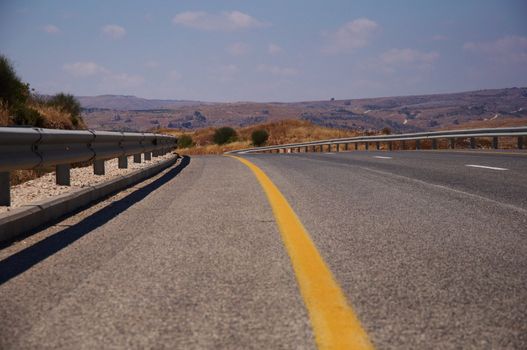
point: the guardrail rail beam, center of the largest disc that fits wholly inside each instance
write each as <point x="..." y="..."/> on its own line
<point x="451" y="136"/>
<point x="30" y="148"/>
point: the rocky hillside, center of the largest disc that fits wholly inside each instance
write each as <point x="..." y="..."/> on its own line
<point x="498" y="107"/>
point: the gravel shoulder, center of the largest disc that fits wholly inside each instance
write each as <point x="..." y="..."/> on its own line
<point x="45" y="187"/>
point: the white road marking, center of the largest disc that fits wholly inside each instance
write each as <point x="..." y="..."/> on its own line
<point x="382" y="157"/>
<point x="485" y="167"/>
<point x="330" y="152"/>
<point x="505" y="205"/>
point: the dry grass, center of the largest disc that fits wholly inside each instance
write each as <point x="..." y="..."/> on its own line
<point x="494" y="123"/>
<point x="280" y="132"/>
<point x="21" y="176"/>
<point x="55" y="118"/>
<point x="4" y="115"/>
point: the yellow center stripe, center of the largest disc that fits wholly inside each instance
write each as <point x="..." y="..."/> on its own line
<point x="332" y="318"/>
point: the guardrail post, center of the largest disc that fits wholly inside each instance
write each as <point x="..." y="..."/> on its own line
<point x="402" y="145"/>
<point x="321" y="148"/>
<point x="390" y="145"/>
<point x="495" y="142"/>
<point x="346" y="146"/>
<point x="356" y="146"/>
<point x="137" y="158"/>
<point x="520" y="142"/>
<point x="434" y="143"/>
<point x="417" y="144"/>
<point x="98" y="167"/>
<point x="473" y="142"/>
<point x="5" y="190"/>
<point x="306" y="149"/>
<point x="148" y="156"/>
<point x="378" y="145"/>
<point x="62" y="175"/>
<point x="123" y="162"/>
<point x="338" y="147"/>
<point x="452" y="143"/>
<point x="367" y="146"/>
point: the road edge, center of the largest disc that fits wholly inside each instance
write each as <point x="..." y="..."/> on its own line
<point x="21" y="221"/>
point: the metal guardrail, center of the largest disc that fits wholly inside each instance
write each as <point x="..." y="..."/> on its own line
<point x="29" y="148"/>
<point x="451" y="135"/>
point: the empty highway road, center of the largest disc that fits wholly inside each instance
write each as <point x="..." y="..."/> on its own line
<point x="428" y="250"/>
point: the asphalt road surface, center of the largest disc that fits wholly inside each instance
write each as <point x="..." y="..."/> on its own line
<point x="429" y="248"/>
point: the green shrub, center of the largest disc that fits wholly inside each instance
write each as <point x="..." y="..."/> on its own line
<point x="386" y="131"/>
<point x="13" y="91"/>
<point x="259" y="137"/>
<point x="224" y="135"/>
<point x="28" y="116"/>
<point x="67" y="103"/>
<point x="185" y="141"/>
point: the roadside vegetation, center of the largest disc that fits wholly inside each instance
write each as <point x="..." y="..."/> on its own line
<point x="19" y="105"/>
<point x="225" y="135"/>
<point x="285" y="131"/>
<point x="259" y="137"/>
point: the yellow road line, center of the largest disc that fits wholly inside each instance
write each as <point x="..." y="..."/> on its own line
<point x="332" y="318"/>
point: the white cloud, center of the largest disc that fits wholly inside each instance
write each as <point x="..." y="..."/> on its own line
<point x="226" y="73"/>
<point x="274" y="49"/>
<point x="225" y="21"/>
<point x="51" y="29"/>
<point x="238" y="49"/>
<point x="122" y="81"/>
<point x="151" y="64"/>
<point x="174" y="75"/>
<point x="276" y="70"/>
<point x="351" y="36"/>
<point x="149" y="17"/>
<point x="83" y="69"/>
<point x="110" y="79"/>
<point x="439" y="37"/>
<point x="405" y="61"/>
<point x="408" y="56"/>
<point x="113" y="31"/>
<point x="509" y="49"/>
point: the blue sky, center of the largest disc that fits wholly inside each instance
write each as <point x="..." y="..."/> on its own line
<point x="266" y="50"/>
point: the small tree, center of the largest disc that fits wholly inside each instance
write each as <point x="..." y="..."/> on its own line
<point x="13" y="91"/>
<point x="185" y="141"/>
<point x="386" y="131"/>
<point x="68" y="104"/>
<point x="259" y="137"/>
<point x="24" y="115"/>
<point x="224" y="135"/>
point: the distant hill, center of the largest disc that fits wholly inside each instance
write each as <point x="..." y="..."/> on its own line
<point x="129" y="103"/>
<point x="497" y="107"/>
